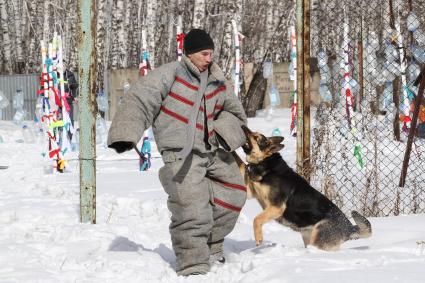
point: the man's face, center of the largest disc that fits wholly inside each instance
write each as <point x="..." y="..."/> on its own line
<point x="202" y="59"/>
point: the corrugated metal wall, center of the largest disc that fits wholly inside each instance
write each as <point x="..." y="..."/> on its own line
<point x="29" y="84"/>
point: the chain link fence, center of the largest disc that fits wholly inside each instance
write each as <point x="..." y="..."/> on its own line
<point x="369" y="54"/>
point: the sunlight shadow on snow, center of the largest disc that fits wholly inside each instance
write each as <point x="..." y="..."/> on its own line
<point x="123" y="244"/>
<point x="237" y="247"/>
<point x="361" y="248"/>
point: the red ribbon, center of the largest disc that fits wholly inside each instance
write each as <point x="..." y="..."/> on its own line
<point x="65" y="101"/>
<point x="179" y="39"/>
<point x="54" y="152"/>
<point x="57" y="97"/>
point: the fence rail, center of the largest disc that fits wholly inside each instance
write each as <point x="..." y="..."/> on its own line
<point x="29" y="84"/>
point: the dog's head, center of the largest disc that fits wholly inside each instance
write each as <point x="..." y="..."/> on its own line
<point x="258" y="147"/>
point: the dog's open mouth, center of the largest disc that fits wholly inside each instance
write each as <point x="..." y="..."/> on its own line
<point x="247" y="147"/>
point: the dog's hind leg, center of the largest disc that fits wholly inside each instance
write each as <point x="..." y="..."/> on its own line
<point x="269" y="213"/>
<point x="306" y="234"/>
<point x="327" y="235"/>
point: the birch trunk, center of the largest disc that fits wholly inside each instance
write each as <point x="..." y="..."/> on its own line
<point x="269" y="26"/>
<point x="172" y="22"/>
<point x="46" y="24"/>
<point x="17" y="10"/>
<point x="101" y="27"/>
<point x="72" y="48"/>
<point x="226" y="58"/>
<point x="34" y="57"/>
<point x="1" y="47"/>
<point x="141" y="10"/>
<point x="125" y="44"/>
<point x="151" y="25"/>
<point x="198" y="14"/>
<point x="116" y="34"/>
<point x="7" y="45"/>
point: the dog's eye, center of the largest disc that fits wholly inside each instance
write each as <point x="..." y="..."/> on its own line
<point x="262" y="142"/>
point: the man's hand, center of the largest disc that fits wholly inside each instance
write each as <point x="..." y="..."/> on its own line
<point x="122" y="146"/>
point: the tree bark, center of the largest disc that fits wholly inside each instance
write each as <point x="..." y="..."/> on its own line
<point x="17" y="12"/>
<point x="198" y="14"/>
<point x="256" y="92"/>
<point x="7" y="45"/>
<point x="150" y="27"/>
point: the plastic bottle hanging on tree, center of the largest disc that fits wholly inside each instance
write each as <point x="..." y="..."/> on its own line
<point x="101" y="131"/>
<point x="276" y="132"/>
<point x="4" y="102"/>
<point x="387" y="96"/>
<point x="18" y="105"/>
<point x="419" y="37"/>
<point x="412" y="22"/>
<point x="102" y="102"/>
<point x="324" y="76"/>
<point x="413" y="72"/>
<point x="267" y="69"/>
<point x="274" y="96"/>
<point x="418" y="53"/>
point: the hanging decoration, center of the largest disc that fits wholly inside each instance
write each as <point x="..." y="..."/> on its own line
<point x="405" y="98"/>
<point x="293" y="77"/>
<point x="145" y="157"/>
<point x="324" y="77"/>
<point x="347" y="85"/>
<point x="54" y="106"/>
<point x="179" y="38"/>
<point x="144" y="65"/>
<point x="238" y="37"/>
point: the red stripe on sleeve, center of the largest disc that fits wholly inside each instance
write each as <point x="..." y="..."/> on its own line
<point x="227" y="205"/>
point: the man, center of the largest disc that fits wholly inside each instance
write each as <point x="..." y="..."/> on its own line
<point x="71" y="88"/>
<point x="191" y="110"/>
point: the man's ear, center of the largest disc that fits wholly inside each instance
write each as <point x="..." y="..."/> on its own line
<point x="275" y="147"/>
<point x="276" y="139"/>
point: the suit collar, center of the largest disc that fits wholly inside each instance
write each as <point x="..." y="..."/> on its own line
<point x="215" y="73"/>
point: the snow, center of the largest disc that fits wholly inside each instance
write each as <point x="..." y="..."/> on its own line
<point x="42" y="239"/>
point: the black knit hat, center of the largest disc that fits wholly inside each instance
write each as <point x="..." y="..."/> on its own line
<point x="197" y="40"/>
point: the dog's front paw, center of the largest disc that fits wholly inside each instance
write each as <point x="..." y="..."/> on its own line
<point x="258" y="238"/>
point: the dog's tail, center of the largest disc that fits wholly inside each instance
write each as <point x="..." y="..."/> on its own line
<point x="363" y="229"/>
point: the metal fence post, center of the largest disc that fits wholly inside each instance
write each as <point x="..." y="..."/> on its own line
<point x="87" y="70"/>
<point x="303" y="87"/>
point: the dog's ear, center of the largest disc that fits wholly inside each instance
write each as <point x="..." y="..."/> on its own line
<point x="276" y="147"/>
<point x="276" y="139"/>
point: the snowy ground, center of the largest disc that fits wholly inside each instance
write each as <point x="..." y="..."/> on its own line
<point x="41" y="239"/>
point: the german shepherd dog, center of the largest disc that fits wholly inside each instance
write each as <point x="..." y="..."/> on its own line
<point x="289" y="199"/>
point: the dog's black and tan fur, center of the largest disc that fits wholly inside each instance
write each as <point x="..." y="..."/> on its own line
<point x="289" y="199"/>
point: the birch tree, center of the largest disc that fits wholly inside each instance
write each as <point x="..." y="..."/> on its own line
<point x="17" y="10"/>
<point x="150" y="28"/>
<point x="46" y="25"/>
<point x="7" y="45"/>
<point x="125" y="36"/>
<point x="116" y="33"/>
<point x="198" y="14"/>
<point x="173" y="19"/>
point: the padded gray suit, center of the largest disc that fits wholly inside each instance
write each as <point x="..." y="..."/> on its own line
<point x="205" y="191"/>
